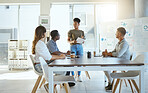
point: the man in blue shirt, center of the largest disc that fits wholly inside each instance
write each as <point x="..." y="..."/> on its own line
<point x="121" y="51"/>
<point x="52" y="46"/>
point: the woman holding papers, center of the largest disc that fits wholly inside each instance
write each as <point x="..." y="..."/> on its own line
<point x="76" y="39"/>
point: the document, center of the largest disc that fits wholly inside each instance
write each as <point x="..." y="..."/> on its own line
<point x="80" y="40"/>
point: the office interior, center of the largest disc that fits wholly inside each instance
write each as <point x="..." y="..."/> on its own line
<point x="99" y="21"/>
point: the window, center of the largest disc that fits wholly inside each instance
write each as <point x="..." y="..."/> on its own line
<point x="91" y="16"/>
<point x="19" y="19"/>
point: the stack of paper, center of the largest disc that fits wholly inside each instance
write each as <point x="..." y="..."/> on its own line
<point x="80" y="40"/>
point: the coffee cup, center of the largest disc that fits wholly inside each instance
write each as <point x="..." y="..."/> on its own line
<point x="72" y="55"/>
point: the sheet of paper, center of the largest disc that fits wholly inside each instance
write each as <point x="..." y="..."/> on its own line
<point x="80" y="40"/>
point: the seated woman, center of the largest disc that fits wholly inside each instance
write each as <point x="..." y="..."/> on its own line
<point x="40" y="49"/>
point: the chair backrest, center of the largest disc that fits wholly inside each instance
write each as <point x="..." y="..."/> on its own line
<point x="133" y="56"/>
<point x="33" y="61"/>
<point x="139" y="59"/>
<point x="44" y="67"/>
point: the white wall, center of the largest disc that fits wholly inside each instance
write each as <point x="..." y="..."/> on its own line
<point x="39" y="1"/>
<point x="126" y="9"/>
<point x="45" y="4"/>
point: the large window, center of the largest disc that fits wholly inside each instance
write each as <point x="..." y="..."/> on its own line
<point x="62" y="20"/>
<point x="86" y="14"/>
<point x="104" y="13"/>
<point x="28" y="21"/>
<point x="91" y="16"/>
<point x="8" y="22"/>
<point x="20" y="20"/>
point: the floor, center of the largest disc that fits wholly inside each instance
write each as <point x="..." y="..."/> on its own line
<point x="20" y="81"/>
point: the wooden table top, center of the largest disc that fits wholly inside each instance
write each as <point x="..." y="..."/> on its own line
<point x="94" y="61"/>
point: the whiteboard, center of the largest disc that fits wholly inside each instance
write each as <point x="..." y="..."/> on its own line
<point x="136" y="36"/>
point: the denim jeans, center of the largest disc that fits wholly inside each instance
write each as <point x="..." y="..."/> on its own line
<point x="78" y="50"/>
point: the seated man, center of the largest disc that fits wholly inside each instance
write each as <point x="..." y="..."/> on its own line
<point x="121" y="51"/>
<point x="53" y="48"/>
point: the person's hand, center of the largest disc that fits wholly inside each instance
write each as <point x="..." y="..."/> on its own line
<point x="62" y="56"/>
<point x="75" y="41"/>
<point x="105" y="53"/>
<point x="68" y="52"/>
<point x="110" y="54"/>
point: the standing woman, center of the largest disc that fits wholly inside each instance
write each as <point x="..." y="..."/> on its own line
<point x="40" y="49"/>
<point x="77" y="48"/>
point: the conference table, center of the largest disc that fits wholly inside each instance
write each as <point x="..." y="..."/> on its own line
<point x="95" y="64"/>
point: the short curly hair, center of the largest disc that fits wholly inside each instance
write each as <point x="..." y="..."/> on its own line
<point x="122" y="30"/>
<point x="77" y="20"/>
<point x="54" y="33"/>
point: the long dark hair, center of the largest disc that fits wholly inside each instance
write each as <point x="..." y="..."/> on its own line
<point x="39" y="33"/>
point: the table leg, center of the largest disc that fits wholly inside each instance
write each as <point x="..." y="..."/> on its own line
<point x="50" y="79"/>
<point x="141" y="81"/>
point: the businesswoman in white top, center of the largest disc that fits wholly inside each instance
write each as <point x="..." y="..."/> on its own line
<point x="39" y="48"/>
